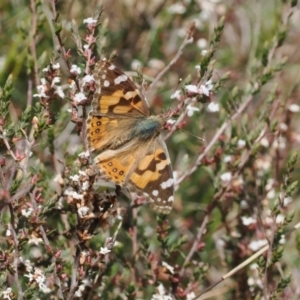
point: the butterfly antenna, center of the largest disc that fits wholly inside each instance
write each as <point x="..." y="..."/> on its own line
<point x="197" y="137"/>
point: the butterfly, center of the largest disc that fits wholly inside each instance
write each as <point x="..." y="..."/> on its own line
<point x="133" y="152"/>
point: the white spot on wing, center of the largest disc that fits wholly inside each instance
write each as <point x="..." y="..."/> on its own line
<point x="120" y="78"/>
<point x="111" y="67"/>
<point x="168" y="183"/>
<point x="155" y="192"/>
<point x="171" y="199"/>
<point x="103" y="76"/>
<point x="106" y="83"/>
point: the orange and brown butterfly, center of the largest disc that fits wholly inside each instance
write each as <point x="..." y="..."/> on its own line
<point x="133" y="152"/>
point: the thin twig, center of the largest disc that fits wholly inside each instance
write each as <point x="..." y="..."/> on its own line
<point x="195" y="244"/>
<point x="74" y="281"/>
<point x="224" y="126"/>
<point x="187" y="40"/>
<point x="32" y="44"/>
<point x="48" y="246"/>
<point x="16" y="254"/>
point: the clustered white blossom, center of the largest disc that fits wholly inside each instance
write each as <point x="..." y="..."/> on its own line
<point x="40" y="279"/>
<point x="104" y="250"/>
<point x="191" y="109"/>
<point x="6" y="293"/>
<point x="258" y="244"/>
<point x="225" y="177"/>
<point x="75" y="70"/>
<point x="44" y="87"/>
<point x="170" y="268"/>
<point x="79" y="97"/>
<point x="89" y="21"/>
<point x="161" y="295"/>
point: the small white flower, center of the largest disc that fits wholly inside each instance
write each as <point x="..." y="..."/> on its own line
<point x="83" y="211"/>
<point x="241" y="144"/>
<point x="170" y="268"/>
<point x="161" y="294"/>
<point x="86" y="47"/>
<point x="135" y="64"/>
<point x="75" y="69"/>
<point x="279" y="219"/>
<point x="89" y="21"/>
<point x="265" y="142"/>
<point x="248" y="220"/>
<point x="191" y="296"/>
<point x="85" y="186"/>
<point x="161" y="289"/>
<point x="59" y="91"/>
<point x="287" y="201"/>
<point x="244" y="204"/>
<point x="72" y="84"/>
<point x="176" y="94"/>
<point x="191" y="88"/>
<point x="294" y="108"/>
<point x="202" y="43"/>
<point x="8" y="232"/>
<point x="213" y="107"/>
<point x="204" y="90"/>
<point x="5" y="293"/>
<point x="191" y="109"/>
<point x="79" y="97"/>
<point x="220" y="243"/>
<point x="254" y="266"/>
<point x="78" y="293"/>
<point x="227" y="159"/>
<point x="198" y="67"/>
<point x="27" y="212"/>
<point x="74" y="178"/>
<point x="282" y="240"/>
<point x="46" y="69"/>
<point x="73" y="194"/>
<point x="85" y="154"/>
<point x="171" y="121"/>
<point x="203" y="52"/>
<point x="177" y="8"/>
<point x="280" y="143"/>
<point x="283" y="126"/>
<point x="209" y="85"/>
<point x="55" y="80"/>
<point x="27" y="264"/>
<point x="271" y="194"/>
<point x="35" y="241"/>
<point x="88" y="79"/>
<point x="104" y="250"/>
<point x="41" y="91"/>
<point x="256" y="245"/>
<point x="56" y="66"/>
<point x="225" y="177"/>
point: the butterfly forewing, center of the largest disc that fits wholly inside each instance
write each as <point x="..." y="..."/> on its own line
<point x="116" y="94"/>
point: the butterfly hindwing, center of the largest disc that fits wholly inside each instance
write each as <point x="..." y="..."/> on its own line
<point x="153" y="177"/>
<point x="104" y="132"/>
<point x="142" y="168"/>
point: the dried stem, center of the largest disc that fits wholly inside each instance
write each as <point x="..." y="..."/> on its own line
<point x="187" y="40"/>
<point x="32" y="44"/>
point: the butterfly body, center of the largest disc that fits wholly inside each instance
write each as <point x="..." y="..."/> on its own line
<point x="134" y="154"/>
<point x="147" y="128"/>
